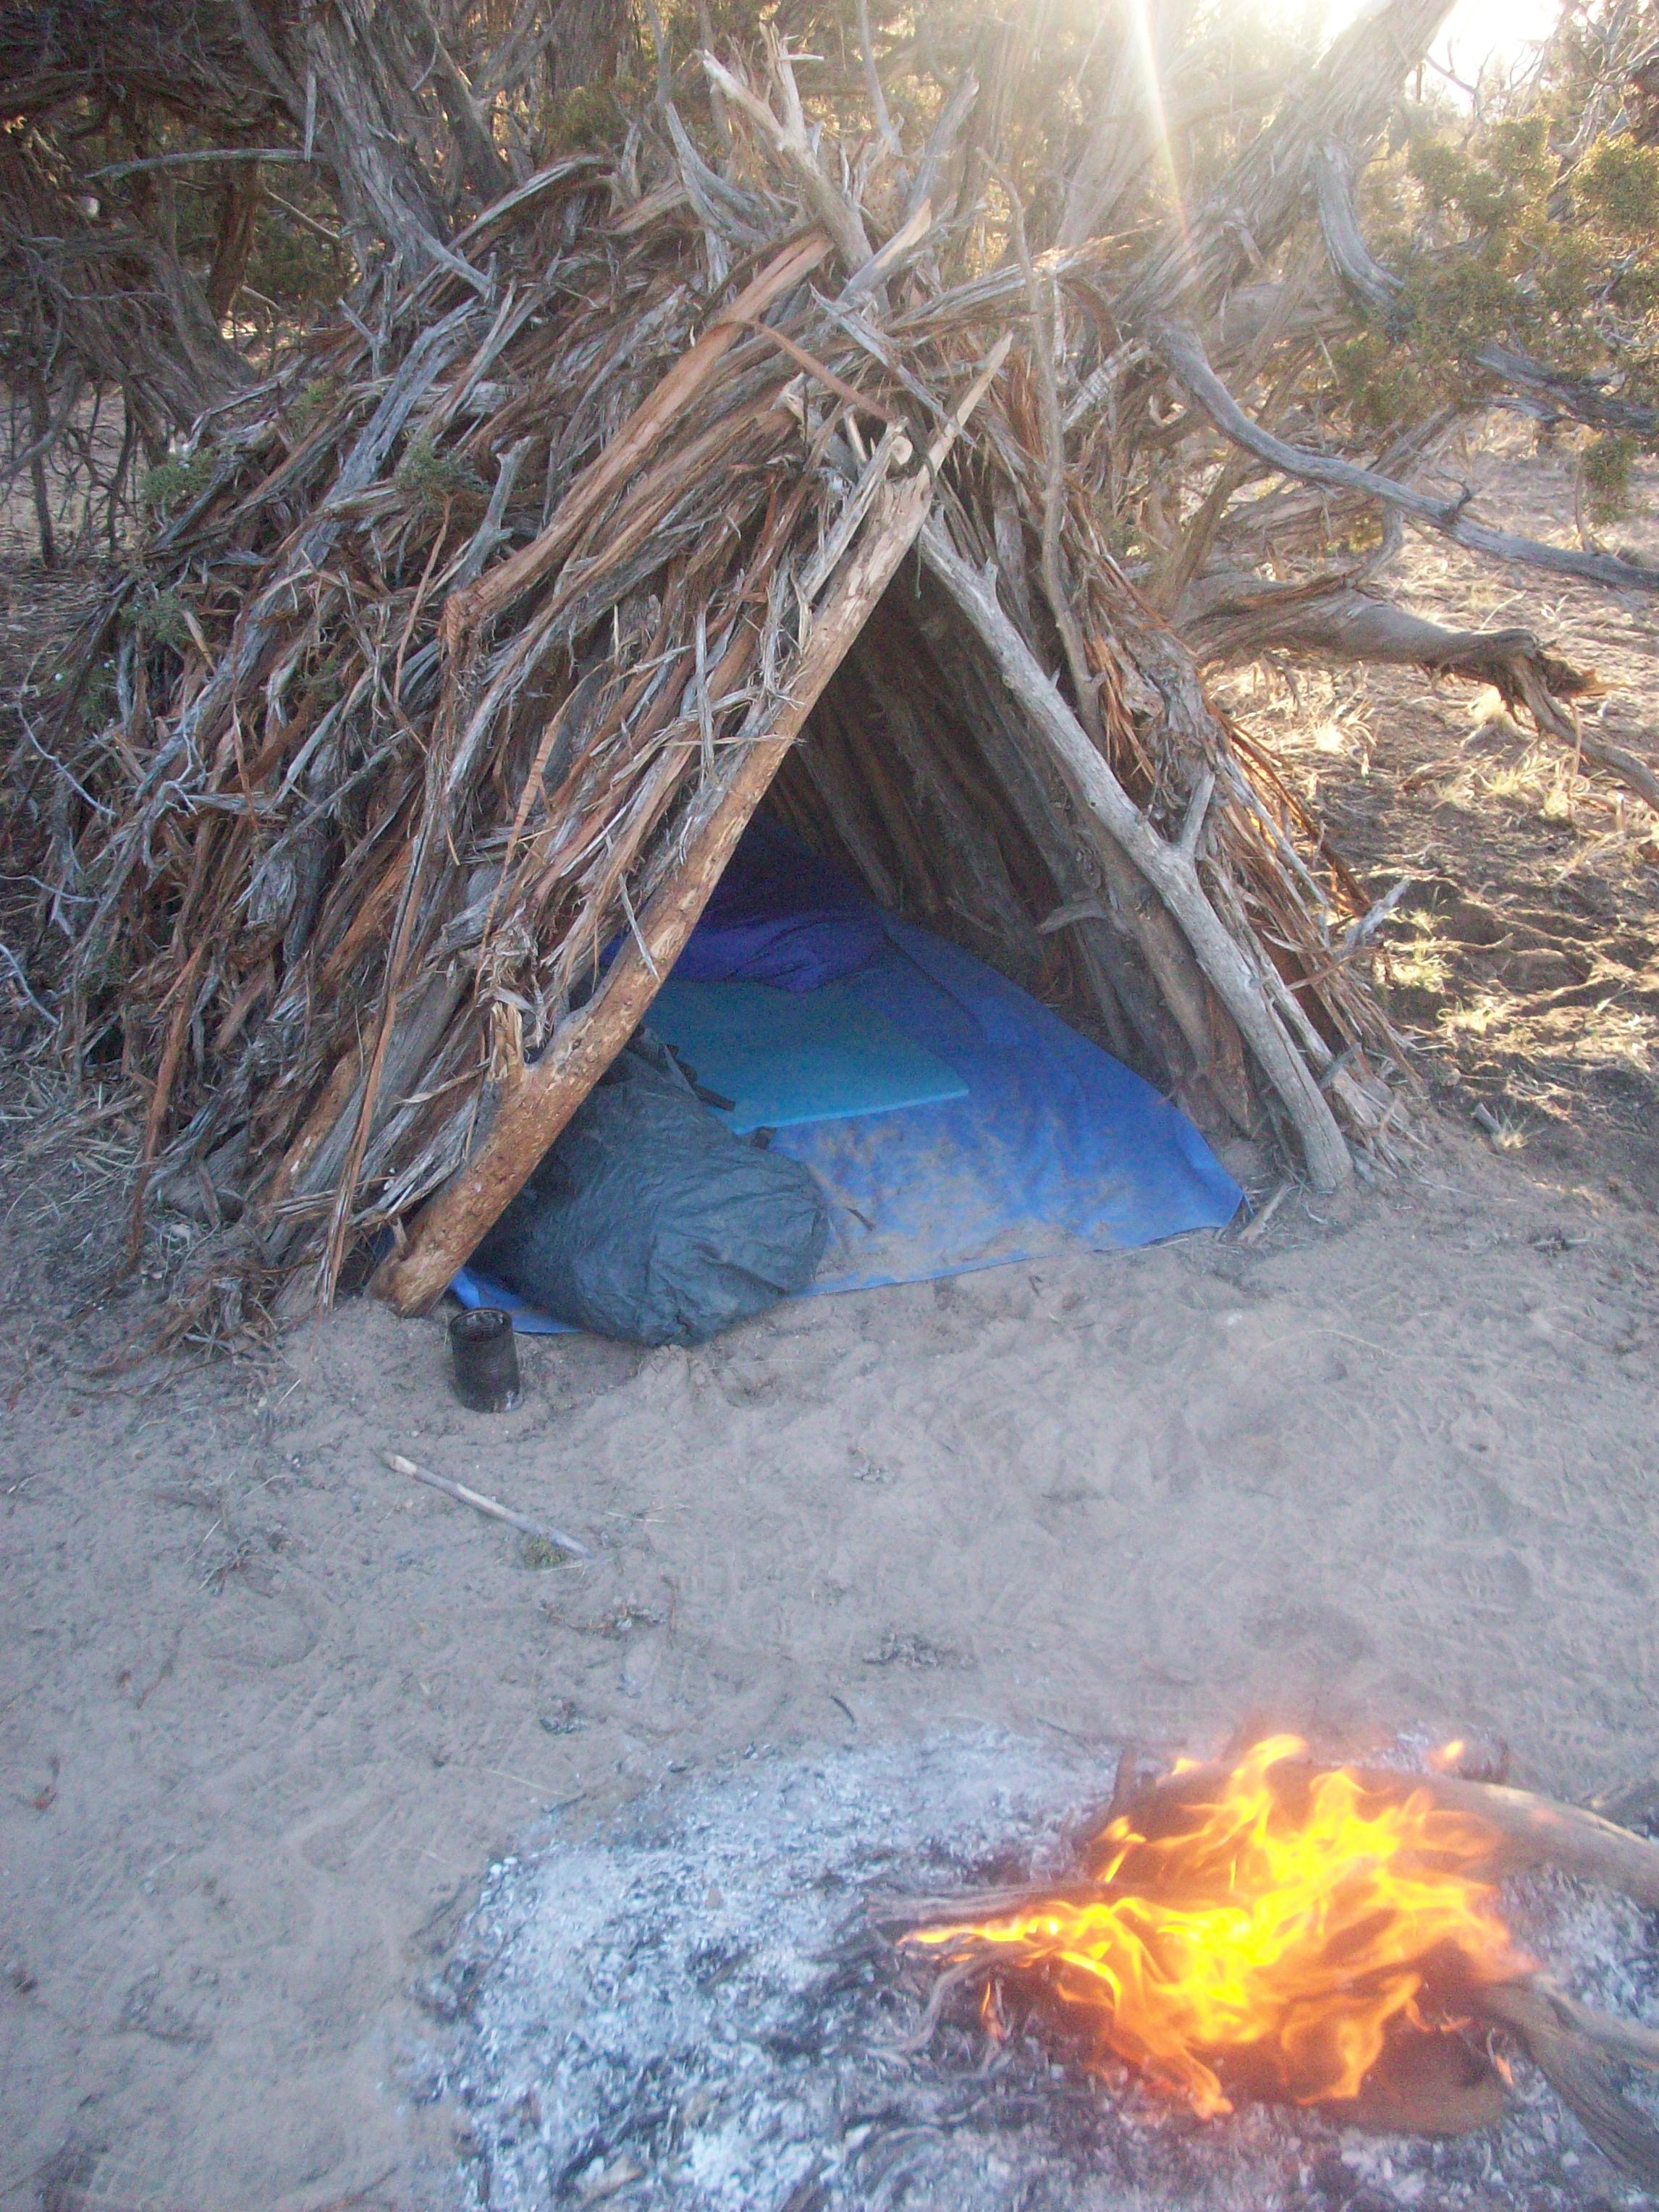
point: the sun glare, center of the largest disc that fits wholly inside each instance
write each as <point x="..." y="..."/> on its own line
<point x="1476" y="31"/>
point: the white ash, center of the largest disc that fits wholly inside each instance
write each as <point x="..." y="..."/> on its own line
<point x="683" y="2011"/>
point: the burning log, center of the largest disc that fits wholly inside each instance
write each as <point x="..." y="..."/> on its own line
<point x="1331" y="1937"/>
<point x="1571" y="2047"/>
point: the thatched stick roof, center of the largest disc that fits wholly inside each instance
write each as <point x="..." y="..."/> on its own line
<point x="491" y="622"/>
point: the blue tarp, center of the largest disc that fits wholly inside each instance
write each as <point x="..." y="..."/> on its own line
<point x="786" y="1057"/>
<point x="1055" y="1146"/>
<point x="781" y="915"/>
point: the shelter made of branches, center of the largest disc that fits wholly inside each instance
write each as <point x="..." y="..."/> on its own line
<point x="418" y="741"/>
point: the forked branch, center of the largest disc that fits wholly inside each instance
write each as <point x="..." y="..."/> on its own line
<point x="1180" y="348"/>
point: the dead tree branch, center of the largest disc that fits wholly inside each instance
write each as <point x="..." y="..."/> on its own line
<point x="1181" y="351"/>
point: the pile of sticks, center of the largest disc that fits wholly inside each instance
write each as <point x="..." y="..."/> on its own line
<point x="397" y="773"/>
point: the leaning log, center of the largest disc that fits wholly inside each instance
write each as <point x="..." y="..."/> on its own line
<point x="1533" y="1831"/>
<point x="1170" y="868"/>
<point x="1571" y="2049"/>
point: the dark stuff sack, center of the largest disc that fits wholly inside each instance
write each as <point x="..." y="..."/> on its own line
<point x="648" y="1220"/>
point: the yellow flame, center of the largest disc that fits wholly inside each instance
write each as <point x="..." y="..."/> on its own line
<point x="1287" y="1922"/>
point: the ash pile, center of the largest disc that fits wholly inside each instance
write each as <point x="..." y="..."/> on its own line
<point x="689" y="2010"/>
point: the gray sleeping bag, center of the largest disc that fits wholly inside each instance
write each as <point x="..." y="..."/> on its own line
<point x="648" y="1220"/>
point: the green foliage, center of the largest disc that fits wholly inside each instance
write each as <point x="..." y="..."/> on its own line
<point x="98" y="694"/>
<point x="152" y="616"/>
<point x="309" y="406"/>
<point x="1604" y="469"/>
<point x="290" y="264"/>
<point x="1619" y="186"/>
<point x="1509" y="231"/>
<point x="159" y="619"/>
<point x="172" y="485"/>
<point x="586" y="119"/>
<point x="1381" y="380"/>
<point x="1518" y="150"/>
<point x="428" y="478"/>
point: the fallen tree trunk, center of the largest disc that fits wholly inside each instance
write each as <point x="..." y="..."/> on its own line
<point x="1233" y="618"/>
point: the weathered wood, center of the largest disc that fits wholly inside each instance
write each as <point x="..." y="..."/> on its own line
<point x="1527" y="1830"/>
<point x="689" y="375"/>
<point x="378" y="642"/>
<point x="539" y="1103"/>
<point x="1574" y="2063"/>
<point x="788" y="141"/>
<point x="1172" y="873"/>
<point x="1112" y="962"/>
<point x="975" y="858"/>
<point x="492" y="1508"/>
<point x="1537" y="1832"/>
<point x="1181" y="351"/>
<point x="822" y="761"/>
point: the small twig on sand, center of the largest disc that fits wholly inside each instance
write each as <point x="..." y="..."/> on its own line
<point x="480" y="1503"/>
<point x="1257" y="1223"/>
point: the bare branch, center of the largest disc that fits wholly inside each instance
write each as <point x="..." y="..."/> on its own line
<point x="1183" y="354"/>
<point x="114" y="169"/>
<point x="788" y="143"/>
<point x="873" y="83"/>
<point x="941" y="142"/>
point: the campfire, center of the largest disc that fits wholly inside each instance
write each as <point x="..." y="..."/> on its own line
<point x="704" y="2002"/>
<point x="1279" y="1931"/>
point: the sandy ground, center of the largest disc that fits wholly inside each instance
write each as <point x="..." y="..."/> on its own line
<point x="268" y="1712"/>
<point x="1524" y="960"/>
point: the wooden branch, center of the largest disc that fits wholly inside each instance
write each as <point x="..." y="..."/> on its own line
<point x="1627" y="2042"/>
<point x="1183" y="354"/>
<point x="1636" y="773"/>
<point x="542" y="1101"/>
<point x="1172" y="874"/>
<point x="491" y="1508"/>
<point x="1165" y="949"/>
<point x="1376" y="288"/>
<point x="1341" y="623"/>
<point x="1350" y="93"/>
<point x="1537" y="1832"/>
<point x="902" y="247"/>
<point x="1528" y="1830"/>
<point x="873" y="85"/>
<point x="1572" y="2046"/>
<point x="788" y="143"/>
<point x="216" y="153"/>
<point x="623" y="453"/>
<point x="1124" y="133"/>
<point x="1574" y="2063"/>
<point x="486" y="168"/>
<point x="941" y="142"/>
<point x="1380" y="291"/>
<point x="1229" y="618"/>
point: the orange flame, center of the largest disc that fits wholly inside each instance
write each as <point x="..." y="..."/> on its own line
<point x="1278" y="1929"/>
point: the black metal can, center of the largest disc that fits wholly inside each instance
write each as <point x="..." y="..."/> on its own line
<point x="485" y="1359"/>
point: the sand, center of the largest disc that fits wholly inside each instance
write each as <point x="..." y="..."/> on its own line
<point x="270" y="1712"/>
